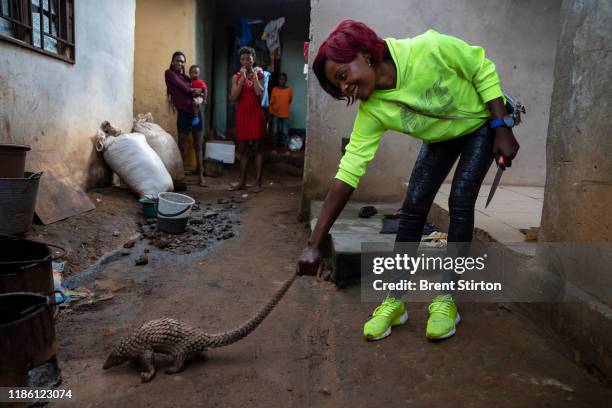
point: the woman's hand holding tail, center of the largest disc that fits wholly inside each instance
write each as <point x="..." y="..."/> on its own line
<point x="310" y="262"/>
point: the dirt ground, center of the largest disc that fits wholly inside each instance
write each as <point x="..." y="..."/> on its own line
<point x="89" y="236"/>
<point x="309" y="351"/>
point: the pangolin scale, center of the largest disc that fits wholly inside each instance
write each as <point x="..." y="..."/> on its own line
<point x="172" y="337"/>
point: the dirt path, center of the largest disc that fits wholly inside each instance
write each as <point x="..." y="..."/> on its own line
<point x="309" y="352"/>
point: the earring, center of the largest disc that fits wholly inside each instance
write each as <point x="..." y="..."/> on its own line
<point x="369" y="63"/>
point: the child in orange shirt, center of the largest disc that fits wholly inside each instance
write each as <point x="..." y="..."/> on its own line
<point x="280" y="103"/>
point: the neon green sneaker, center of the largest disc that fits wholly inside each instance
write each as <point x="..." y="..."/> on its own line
<point x="443" y="318"/>
<point x="389" y="313"/>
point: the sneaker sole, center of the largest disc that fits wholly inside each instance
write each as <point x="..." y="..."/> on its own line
<point x="403" y="319"/>
<point x="450" y="333"/>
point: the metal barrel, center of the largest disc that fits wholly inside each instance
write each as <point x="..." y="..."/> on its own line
<point x="27" y="336"/>
<point x="17" y="203"/>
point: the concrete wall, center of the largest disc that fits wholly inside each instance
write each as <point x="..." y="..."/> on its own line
<point x="56" y="106"/>
<point x="295" y="32"/>
<point x="220" y="91"/>
<point x="578" y="188"/>
<point x="204" y="48"/>
<point x="520" y="37"/>
<point x="161" y="29"/>
<point x="293" y="66"/>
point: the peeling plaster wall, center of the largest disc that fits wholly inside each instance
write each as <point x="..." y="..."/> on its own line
<point x="578" y="188"/>
<point x="579" y="184"/>
<point x="519" y="36"/>
<point x="56" y="106"/>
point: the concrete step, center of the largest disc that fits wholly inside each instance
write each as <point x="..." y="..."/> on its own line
<point x="348" y="234"/>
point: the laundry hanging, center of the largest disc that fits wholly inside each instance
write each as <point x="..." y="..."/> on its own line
<point x="245" y="39"/>
<point x="271" y="35"/>
<point x="246" y="36"/>
<point x="265" y="99"/>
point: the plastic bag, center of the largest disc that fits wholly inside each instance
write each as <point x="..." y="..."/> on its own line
<point x="163" y="144"/>
<point x="130" y="156"/>
<point x="295" y="143"/>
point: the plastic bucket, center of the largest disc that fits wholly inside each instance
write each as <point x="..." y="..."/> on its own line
<point x="149" y="206"/>
<point x="17" y="203"/>
<point x="173" y="211"/>
<point x="12" y="160"/>
<point x="174" y="205"/>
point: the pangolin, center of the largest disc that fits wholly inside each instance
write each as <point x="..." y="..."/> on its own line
<point x="172" y="337"/>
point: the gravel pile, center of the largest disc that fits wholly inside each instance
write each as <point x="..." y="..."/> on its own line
<point x="207" y="224"/>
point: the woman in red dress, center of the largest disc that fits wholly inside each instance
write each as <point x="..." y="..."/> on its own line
<point x="246" y="91"/>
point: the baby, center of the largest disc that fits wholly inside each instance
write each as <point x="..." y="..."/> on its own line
<point x="197" y="83"/>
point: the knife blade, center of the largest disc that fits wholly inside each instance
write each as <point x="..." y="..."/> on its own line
<point x="500" y="170"/>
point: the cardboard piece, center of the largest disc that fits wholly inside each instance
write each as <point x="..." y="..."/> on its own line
<point x="222" y="150"/>
<point x="59" y="196"/>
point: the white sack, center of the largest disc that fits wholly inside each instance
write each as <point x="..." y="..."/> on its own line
<point x="135" y="162"/>
<point x="163" y="144"/>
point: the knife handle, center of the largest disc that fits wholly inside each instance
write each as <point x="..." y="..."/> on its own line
<point x="500" y="162"/>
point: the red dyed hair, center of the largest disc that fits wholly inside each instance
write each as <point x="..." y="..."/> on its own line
<point x="342" y="45"/>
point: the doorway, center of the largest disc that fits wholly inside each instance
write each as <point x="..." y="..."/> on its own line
<point x="242" y="22"/>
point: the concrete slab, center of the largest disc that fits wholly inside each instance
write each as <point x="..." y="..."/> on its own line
<point x="533" y="192"/>
<point x="512" y="208"/>
<point x="349" y="232"/>
<point x="349" y="218"/>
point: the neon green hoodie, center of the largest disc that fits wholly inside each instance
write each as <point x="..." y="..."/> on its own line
<point x="436" y="73"/>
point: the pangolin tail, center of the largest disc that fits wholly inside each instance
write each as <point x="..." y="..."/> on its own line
<point x="232" y="336"/>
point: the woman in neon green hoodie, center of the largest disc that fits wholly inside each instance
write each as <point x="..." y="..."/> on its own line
<point x="441" y="76"/>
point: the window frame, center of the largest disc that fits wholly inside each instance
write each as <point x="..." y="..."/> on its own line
<point x="65" y="27"/>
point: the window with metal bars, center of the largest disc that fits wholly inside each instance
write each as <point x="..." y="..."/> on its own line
<point x="46" y="26"/>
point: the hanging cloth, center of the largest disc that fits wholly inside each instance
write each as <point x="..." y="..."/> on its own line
<point x="271" y="35"/>
<point x="265" y="99"/>
<point x="246" y="37"/>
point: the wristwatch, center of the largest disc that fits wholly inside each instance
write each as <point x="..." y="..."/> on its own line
<point x="506" y="121"/>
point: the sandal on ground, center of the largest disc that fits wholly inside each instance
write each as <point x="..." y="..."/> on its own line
<point x="367" y="211"/>
<point x="236" y="187"/>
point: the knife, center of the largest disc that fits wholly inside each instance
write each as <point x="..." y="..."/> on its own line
<point x="500" y="170"/>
